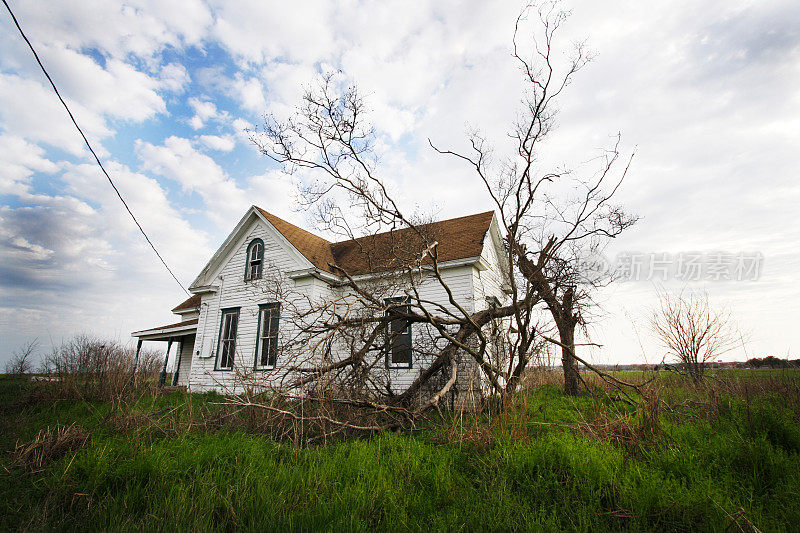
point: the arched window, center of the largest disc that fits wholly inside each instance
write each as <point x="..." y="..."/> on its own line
<point x="255" y="260"/>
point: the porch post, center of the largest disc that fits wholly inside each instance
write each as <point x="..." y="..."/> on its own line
<point x="136" y="360"/>
<point x="163" y="377"/>
<point x="178" y="364"/>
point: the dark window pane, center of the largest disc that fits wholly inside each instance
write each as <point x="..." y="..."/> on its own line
<point x="264" y="360"/>
<point x="234" y="324"/>
<point x="273" y="351"/>
<point x="401" y="349"/>
<point x="400" y="338"/>
<point x="268" y="336"/>
<point x="225" y="359"/>
<point x="254" y="269"/>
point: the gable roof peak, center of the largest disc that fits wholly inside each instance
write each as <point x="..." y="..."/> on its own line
<point x="313" y="247"/>
<point x="459" y="238"/>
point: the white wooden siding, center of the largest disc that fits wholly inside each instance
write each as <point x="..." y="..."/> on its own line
<point x="489" y="283"/>
<point x="235" y="292"/>
<point x="187" y="349"/>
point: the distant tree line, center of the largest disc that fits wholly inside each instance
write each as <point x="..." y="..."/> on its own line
<point x="771" y="361"/>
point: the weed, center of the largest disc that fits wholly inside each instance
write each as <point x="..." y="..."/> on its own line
<point x="49" y="445"/>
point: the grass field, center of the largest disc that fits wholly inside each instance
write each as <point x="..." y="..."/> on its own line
<point x="722" y="456"/>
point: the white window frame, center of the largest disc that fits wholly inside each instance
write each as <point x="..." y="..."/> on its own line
<point x="227" y="341"/>
<point x="268" y="330"/>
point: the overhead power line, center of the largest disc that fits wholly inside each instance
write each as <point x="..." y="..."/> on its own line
<point x="89" y="146"/>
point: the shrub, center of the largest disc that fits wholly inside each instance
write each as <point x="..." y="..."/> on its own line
<point x="20" y="363"/>
<point x="90" y="368"/>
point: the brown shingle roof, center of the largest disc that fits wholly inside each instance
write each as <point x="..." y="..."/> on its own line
<point x="458" y="238"/>
<point x="315" y="249"/>
<point x="191" y="303"/>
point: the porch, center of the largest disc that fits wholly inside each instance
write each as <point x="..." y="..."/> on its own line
<point x="182" y="333"/>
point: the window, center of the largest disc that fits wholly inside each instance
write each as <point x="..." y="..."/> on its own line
<point x="255" y="260"/>
<point x="267" y="343"/>
<point x="398" y="335"/>
<point x="227" y="339"/>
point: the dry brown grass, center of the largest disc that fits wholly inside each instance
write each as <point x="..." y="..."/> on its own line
<point x="628" y="428"/>
<point x="538" y="377"/>
<point x="50" y="444"/>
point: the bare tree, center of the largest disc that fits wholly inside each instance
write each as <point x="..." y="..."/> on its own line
<point x="692" y="331"/>
<point x="330" y="135"/>
<point x="545" y="238"/>
<point x="20" y="362"/>
<point x="553" y="220"/>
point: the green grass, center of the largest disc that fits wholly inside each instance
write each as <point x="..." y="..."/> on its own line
<point x="695" y="473"/>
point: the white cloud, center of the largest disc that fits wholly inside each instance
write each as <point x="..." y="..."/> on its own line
<point x="50" y="123"/>
<point x="275" y="191"/>
<point x="67" y="271"/>
<point x="178" y="242"/>
<point x="117" y="90"/>
<point x="250" y="93"/>
<point x="138" y="27"/>
<point x="205" y="111"/>
<point x="242" y="129"/>
<point x="203" y="108"/>
<point x="18" y="161"/>
<point x="174" y="77"/>
<point x="196" y="172"/>
<point x="257" y="31"/>
<point x="196" y="122"/>
<point x="82" y="268"/>
<point x="241" y="125"/>
<point x="224" y="198"/>
<point x="222" y="143"/>
<point x="94" y="93"/>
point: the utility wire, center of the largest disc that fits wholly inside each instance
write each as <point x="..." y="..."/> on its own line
<point x="89" y="146"/>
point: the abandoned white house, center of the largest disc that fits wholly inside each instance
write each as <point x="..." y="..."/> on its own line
<point x="237" y="322"/>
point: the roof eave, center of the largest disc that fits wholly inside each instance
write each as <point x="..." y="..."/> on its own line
<point x="203" y="289"/>
<point x="146" y="333"/>
<point x="443" y="265"/>
<point x="314" y="272"/>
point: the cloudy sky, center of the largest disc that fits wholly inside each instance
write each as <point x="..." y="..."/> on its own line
<point x="707" y="93"/>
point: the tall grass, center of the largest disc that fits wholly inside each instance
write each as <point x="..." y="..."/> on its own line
<point x="686" y="458"/>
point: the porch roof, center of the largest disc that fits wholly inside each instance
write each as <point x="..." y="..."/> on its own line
<point x="179" y="329"/>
